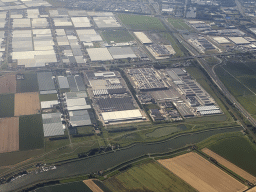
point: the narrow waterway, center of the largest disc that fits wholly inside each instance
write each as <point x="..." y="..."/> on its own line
<point x="108" y="160"/>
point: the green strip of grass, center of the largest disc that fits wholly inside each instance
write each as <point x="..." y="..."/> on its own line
<point x="7" y="105"/>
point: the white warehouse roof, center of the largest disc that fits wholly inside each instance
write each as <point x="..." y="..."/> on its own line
<point x="122" y="115"/>
<point x="48" y="104"/>
<point x="221" y="40"/>
<point x="239" y="40"/>
<point x="99" y="54"/>
<point x="142" y="37"/>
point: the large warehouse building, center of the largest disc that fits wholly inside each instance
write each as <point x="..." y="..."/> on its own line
<point x="143" y="38"/>
<point x="122" y="115"/>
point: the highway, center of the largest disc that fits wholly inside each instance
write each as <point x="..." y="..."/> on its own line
<point x="214" y="77"/>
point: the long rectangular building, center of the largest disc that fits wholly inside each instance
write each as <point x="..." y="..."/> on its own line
<point x="143" y="38"/>
<point x="122" y="115"/>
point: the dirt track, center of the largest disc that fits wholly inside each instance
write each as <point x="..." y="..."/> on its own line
<point x="230" y="166"/>
<point x="26" y="104"/>
<point x="92" y="185"/>
<point x="201" y="174"/>
<point x="8" y="84"/>
<point x="9" y="134"/>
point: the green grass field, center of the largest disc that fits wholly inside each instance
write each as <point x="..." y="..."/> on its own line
<point x="29" y="84"/>
<point x="85" y="130"/>
<point x="241" y="82"/>
<point x="67" y="187"/>
<point x="238" y="150"/>
<point x="7" y="105"/>
<point x="178" y="24"/>
<point x="175" y="44"/>
<point x="147" y="177"/>
<point x="140" y="22"/>
<point x="48" y="97"/>
<point x="31" y="132"/>
<point x="118" y="36"/>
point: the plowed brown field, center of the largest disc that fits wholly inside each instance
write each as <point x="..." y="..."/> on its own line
<point x="9" y="134"/>
<point x="8" y="84"/>
<point x="92" y="185"/>
<point x="26" y="104"/>
<point x="230" y="165"/>
<point x="201" y="174"/>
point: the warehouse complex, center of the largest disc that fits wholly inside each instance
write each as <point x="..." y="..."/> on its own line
<point x="112" y="99"/>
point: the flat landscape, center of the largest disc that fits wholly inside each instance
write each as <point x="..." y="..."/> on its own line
<point x="178" y="24"/>
<point x="147" y="177"/>
<point x="8" y="84"/>
<point x="201" y="174"/>
<point x="141" y="22"/>
<point x="92" y="185"/>
<point x="31" y="132"/>
<point x="26" y="104"/>
<point x="238" y="150"/>
<point x="118" y="36"/>
<point x="240" y="80"/>
<point x="230" y="165"/>
<point x="28" y="84"/>
<point x="68" y="187"/>
<point x="9" y="134"/>
<point x="7" y="105"/>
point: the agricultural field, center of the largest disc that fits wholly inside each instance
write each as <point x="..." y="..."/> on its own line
<point x="178" y="24"/>
<point x="8" y="84"/>
<point x="118" y="36"/>
<point x="201" y="174"/>
<point x="26" y="104"/>
<point x="240" y="79"/>
<point x="140" y="22"/>
<point x="9" y="134"/>
<point x="92" y="185"/>
<point x="230" y="166"/>
<point x="7" y="105"/>
<point x="147" y="177"/>
<point x="68" y="187"/>
<point x="28" y="84"/>
<point x="31" y="132"/>
<point x="238" y="150"/>
<point x="48" y="97"/>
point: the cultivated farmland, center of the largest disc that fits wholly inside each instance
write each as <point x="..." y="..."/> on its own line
<point x="9" y="134"/>
<point x="147" y="177"/>
<point x="238" y="150"/>
<point x="230" y="166"/>
<point x="92" y="185"/>
<point x="28" y="84"/>
<point x="7" y="105"/>
<point x="26" y="104"/>
<point x="201" y="174"/>
<point x="7" y="84"/>
<point x="178" y="24"/>
<point x="31" y="132"/>
<point x="140" y="22"/>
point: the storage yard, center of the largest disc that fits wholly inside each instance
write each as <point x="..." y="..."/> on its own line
<point x="173" y="85"/>
<point x="201" y="174"/>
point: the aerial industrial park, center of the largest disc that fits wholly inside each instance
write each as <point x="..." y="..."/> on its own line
<point x="127" y="95"/>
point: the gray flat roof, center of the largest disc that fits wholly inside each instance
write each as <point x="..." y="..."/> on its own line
<point x="45" y="81"/>
<point x="63" y="82"/>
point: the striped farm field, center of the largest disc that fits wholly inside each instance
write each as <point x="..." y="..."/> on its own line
<point x="201" y="174"/>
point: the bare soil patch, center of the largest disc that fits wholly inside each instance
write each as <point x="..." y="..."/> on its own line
<point x="230" y="165"/>
<point x="8" y="84"/>
<point x="9" y="134"/>
<point x="26" y="104"/>
<point x="201" y="174"/>
<point x="92" y="185"/>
